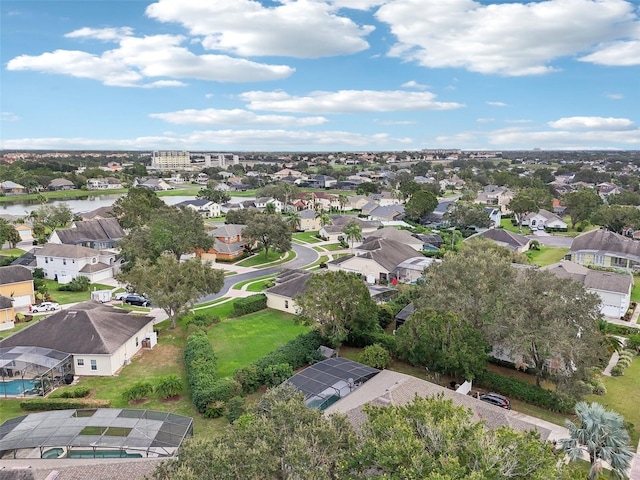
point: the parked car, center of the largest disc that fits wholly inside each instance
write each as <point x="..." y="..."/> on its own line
<point x="44" y="307"/>
<point x="138" y="300"/>
<point x="496" y="399"/>
<point x="122" y="295"/>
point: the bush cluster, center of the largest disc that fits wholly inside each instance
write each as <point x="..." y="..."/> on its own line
<point x="76" y="392"/>
<point x="375" y="356"/>
<point x="626" y="357"/>
<point x="220" y="393"/>
<point x="250" y="304"/>
<point x="526" y="392"/>
<point x="78" y="284"/>
<point x="361" y="339"/>
<point x="137" y="391"/>
<point x="203" y="320"/>
<point x="201" y="365"/>
<point x="43" y="404"/>
<point x="301" y="351"/>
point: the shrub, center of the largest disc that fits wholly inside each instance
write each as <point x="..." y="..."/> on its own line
<point x="633" y="343"/>
<point x="250" y="304"/>
<point x="385" y="316"/>
<point x="375" y="356"/>
<point x="137" y="391"/>
<point x="301" y="351"/>
<point x="77" y="392"/>
<point x="362" y="339"/>
<point x="169" y="386"/>
<point x="78" y="284"/>
<point x="224" y="389"/>
<point x="617" y="371"/>
<point x="274" y="375"/>
<point x="38" y="273"/>
<point x="624" y="361"/>
<point x="62" y="404"/>
<point x="201" y="365"/>
<point x="598" y="387"/>
<point x="235" y="408"/>
<point x="249" y="377"/>
<point x="214" y="409"/>
<point x="203" y="320"/>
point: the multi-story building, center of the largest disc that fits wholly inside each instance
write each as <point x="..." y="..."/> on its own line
<point x="170" y="160"/>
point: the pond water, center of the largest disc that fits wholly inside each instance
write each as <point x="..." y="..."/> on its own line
<point x="90" y="203"/>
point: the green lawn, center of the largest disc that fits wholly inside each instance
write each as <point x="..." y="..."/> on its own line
<point x="239" y="341"/>
<point x="72" y="297"/>
<point x="61" y="195"/>
<point x="623" y="397"/>
<point x="258" y="286"/>
<point x="239" y="285"/>
<point x="546" y="255"/>
<point x="506" y="224"/>
<point x="331" y="247"/>
<point x="260" y="259"/>
<point x="11" y="252"/>
<point x="635" y="292"/>
<point x="308" y="237"/>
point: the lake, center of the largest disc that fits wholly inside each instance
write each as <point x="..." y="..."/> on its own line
<point x="91" y="203"/>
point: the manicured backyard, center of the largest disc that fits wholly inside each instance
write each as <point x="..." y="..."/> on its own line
<point x="546" y="255"/>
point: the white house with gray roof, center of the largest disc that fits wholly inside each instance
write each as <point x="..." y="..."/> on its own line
<point x="66" y="262"/>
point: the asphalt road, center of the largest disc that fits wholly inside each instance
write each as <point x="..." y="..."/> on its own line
<point x="304" y="256"/>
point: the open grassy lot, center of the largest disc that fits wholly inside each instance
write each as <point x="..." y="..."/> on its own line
<point x="623" y="396"/>
<point x="259" y="286"/>
<point x="72" y="297"/>
<point x="307" y="237"/>
<point x="506" y="224"/>
<point x="260" y="259"/>
<point x="546" y="255"/>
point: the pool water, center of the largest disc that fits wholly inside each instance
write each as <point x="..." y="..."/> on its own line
<point x="16" y="387"/>
<point x="101" y="454"/>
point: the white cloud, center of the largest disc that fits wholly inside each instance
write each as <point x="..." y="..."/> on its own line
<point x="588" y="139"/>
<point x="485" y="120"/>
<point x="592" y="123"/>
<point x="214" y="139"/>
<point x="208" y="95"/>
<point x="105" y="34"/>
<point x="301" y="29"/>
<point x="346" y="101"/>
<point x="164" y="83"/>
<point x="357" y="4"/>
<point x="152" y="56"/>
<point x="614" y="96"/>
<point x="393" y="122"/>
<point x="510" y="38"/>
<point x="9" y="117"/>
<point x="497" y="104"/>
<point x="414" y="84"/>
<point x="212" y="116"/>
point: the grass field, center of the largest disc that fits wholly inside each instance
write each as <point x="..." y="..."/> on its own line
<point x="635" y="292"/>
<point x="61" y="195"/>
<point x="260" y="259"/>
<point x="546" y="255"/>
<point x="239" y="285"/>
<point x="331" y="247"/>
<point x="11" y="252"/>
<point x="72" y="297"/>
<point x="307" y="237"/>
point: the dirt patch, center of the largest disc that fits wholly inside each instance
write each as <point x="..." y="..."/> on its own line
<point x="138" y="402"/>
<point x="175" y="398"/>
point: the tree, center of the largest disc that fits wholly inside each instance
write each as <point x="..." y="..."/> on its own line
<point x="173" y="285"/>
<point x="617" y="218"/>
<point x="353" y="231"/>
<point x="211" y="193"/>
<point x="443" y="342"/>
<point x="342" y="200"/>
<point x="366" y="188"/>
<point x="269" y="230"/>
<point x="324" y="218"/>
<point x="551" y="321"/>
<point x="624" y="198"/>
<point x="270" y="208"/>
<point x="600" y="433"/>
<point x="337" y="315"/>
<point x="581" y="204"/>
<point x="463" y="215"/>
<point x="529" y="200"/>
<point x="53" y="216"/>
<point x="294" y="219"/>
<point x="137" y="207"/>
<point x="8" y="233"/>
<point x="282" y="191"/>
<point x="420" y="204"/>
<point x="174" y="230"/>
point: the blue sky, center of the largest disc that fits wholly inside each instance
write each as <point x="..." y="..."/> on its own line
<point x="320" y="75"/>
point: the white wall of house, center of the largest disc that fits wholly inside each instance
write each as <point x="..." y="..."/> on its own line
<point x="69" y="268"/>
<point x="84" y="365"/>
<point x="613" y="304"/>
<point x="278" y="302"/>
<point x="366" y="267"/>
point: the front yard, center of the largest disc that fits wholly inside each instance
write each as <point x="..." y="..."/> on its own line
<point x="546" y="255"/>
<point x="63" y="297"/>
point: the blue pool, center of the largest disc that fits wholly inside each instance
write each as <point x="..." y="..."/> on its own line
<point x="16" y="387"/>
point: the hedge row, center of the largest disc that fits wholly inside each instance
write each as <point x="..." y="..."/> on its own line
<point x="37" y="404"/>
<point x="77" y="392"/>
<point x="221" y="392"/>
<point x="526" y="392"/>
<point x="201" y="363"/>
<point x="277" y="366"/>
<point x="250" y="304"/>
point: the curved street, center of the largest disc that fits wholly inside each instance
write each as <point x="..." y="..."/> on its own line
<point x="304" y="256"/>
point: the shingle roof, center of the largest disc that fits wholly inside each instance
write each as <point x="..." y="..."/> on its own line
<point x="5" y="302"/>
<point x="502" y="236"/>
<point x="606" y="241"/>
<point x="390" y="233"/>
<point x="60" y="182"/>
<point x="86" y="328"/>
<point x="592" y="279"/>
<point x="98" y="212"/>
<point x="91" y="230"/>
<point x="14" y="274"/>
<point x="228" y="230"/>
<point x="198" y="202"/>
<point x="387" y="253"/>
<point x="65" y="251"/>
<point x="290" y="283"/>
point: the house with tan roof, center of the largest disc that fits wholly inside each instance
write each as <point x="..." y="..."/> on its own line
<point x="228" y="244"/>
<point x="603" y="248"/>
<point x="504" y="238"/>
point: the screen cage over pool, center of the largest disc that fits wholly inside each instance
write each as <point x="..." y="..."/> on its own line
<point x="88" y="433"/>
<point x="33" y="371"/>
<point x="324" y="383"/>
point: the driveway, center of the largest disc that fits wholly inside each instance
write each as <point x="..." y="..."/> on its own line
<point x="553" y="240"/>
<point x="304" y="257"/>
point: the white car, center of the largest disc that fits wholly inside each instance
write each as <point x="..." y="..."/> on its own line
<point x="44" y="307"/>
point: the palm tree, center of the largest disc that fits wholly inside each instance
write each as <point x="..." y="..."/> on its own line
<point x="342" y="200"/>
<point x="353" y="231"/>
<point x="294" y="219"/>
<point x="324" y="218"/>
<point x="600" y="433"/>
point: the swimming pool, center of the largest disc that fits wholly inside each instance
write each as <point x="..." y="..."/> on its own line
<point x="16" y="387"/>
<point x="60" y="453"/>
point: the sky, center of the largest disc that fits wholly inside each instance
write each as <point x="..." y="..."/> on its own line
<point x="320" y="75"/>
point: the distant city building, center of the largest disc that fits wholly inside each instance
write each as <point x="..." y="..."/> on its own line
<point x="170" y="160"/>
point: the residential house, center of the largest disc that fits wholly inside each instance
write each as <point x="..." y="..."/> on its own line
<point x="375" y="260"/>
<point x="385" y="198"/>
<point x="431" y="242"/>
<point x="101" y="234"/>
<point x="603" y="248"/>
<point x="155" y="184"/>
<point x="493" y="195"/>
<point x="387" y="213"/>
<point x="262" y="202"/>
<point x="356" y="202"/>
<point x="11" y="188"/>
<point x="107" y="183"/>
<point x="63" y="263"/>
<point x="101" y="338"/>
<point x="202" y="178"/>
<point x="335" y="231"/>
<point x="495" y="217"/>
<point x="16" y="283"/>
<point x="228" y="243"/>
<point x="318" y="201"/>
<point x="401" y="236"/>
<point x="544" y="220"/>
<point x="288" y="285"/>
<point x="98" y="213"/>
<point x="606" y="189"/>
<point x="287" y="172"/>
<point x="504" y="238"/>
<point x="309" y="221"/>
<point x="58" y="184"/>
<point x="412" y="269"/>
<point x="7" y="313"/>
<point x="320" y="181"/>
<point x="205" y="207"/>
<point x="614" y="289"/>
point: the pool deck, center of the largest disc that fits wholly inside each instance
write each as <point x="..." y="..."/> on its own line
<point x="89" y="468"/>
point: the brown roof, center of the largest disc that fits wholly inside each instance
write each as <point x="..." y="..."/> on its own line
<point x="388" y="253"/>
<point x="65" y="251"/>
<point x="89" y="328"/>
<point x="500" y="235"/>
<point x="606" y="241"/>
<point x="90" y="230"/>
<point x="14" y="274"/>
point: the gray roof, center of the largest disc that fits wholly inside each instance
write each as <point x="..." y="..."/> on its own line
<point x="198" y="202"/>
<point x="227" y="230"/>
<point x="89" y="328"/>
<point x="405" y="313"/>
<point x="500" y="235"/>
<point x="91" y="230"/>
<point x="592" y="279"/>
<point x="606" y="241"/>
<point x="14" y="274"/>
<point x="388" y="253"/>
<point x="65" y="251"/>
<point x="307" y="214"/>
<point x="290" y="283"/>
<point x="546" y="214"/>
<point x="60" y="182"/>
<point x="5" y="302"/>
<point x="27" y="259"/>
<point x="391" y="233"/>
<point x="388" y="211"/>
<point x="98" y="212"/>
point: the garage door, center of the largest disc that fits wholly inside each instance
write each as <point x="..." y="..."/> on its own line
<point x="22" y="300"/>
<point x="611" y="311"/>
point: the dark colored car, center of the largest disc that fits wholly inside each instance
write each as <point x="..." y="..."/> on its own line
<point x="496" y="399"/>
<point x="137" y="300"/>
